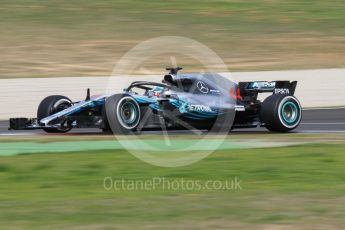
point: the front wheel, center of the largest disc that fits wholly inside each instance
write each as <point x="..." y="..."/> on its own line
<point x="281" y="113"/>
<point x="50" y="105"/>
<point x="123" y="113"/>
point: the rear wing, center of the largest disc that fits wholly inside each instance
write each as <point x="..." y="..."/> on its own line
<point x="276" y="87"/>
<point x="249" y="91"/>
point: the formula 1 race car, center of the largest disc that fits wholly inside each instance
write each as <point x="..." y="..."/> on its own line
<point x="182" y="101"/>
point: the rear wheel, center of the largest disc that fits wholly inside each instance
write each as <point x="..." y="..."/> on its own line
<point x="281" y="113"/>
<point x="50" y="105"/>
<point x="123" y="113"/>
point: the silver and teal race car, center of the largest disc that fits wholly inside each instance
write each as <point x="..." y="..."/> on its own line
<point x="196" y="101"/>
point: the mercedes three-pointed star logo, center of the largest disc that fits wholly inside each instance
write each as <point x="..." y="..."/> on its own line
<point x="202" y="87"/>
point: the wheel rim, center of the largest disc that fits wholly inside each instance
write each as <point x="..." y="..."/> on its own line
<point x="290" y="113"/>
<point x="58" y="107"/>
<point x="128" y="113"/>
<point x="61" y="105"/>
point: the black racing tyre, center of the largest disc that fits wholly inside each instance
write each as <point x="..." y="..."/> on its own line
<point x="123" y="114"/>
<point x="50" y="105"/>
<point x="281" y="113"/>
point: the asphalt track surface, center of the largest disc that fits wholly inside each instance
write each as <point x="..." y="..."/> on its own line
<point x="328" y="120"/>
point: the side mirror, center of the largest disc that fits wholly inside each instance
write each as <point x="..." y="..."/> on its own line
<point x="170" y="95"/>
<point x="174" y="96"/>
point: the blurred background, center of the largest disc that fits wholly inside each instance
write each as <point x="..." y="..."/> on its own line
<point x="289" y="181"/>
<point x="86" y="38"/>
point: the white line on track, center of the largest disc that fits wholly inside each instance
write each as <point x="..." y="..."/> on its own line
<point x="322" y="131"/>
<point x="322" y="123"/>
<point x="18" y="134"/>
<point x="325" y="108"/>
